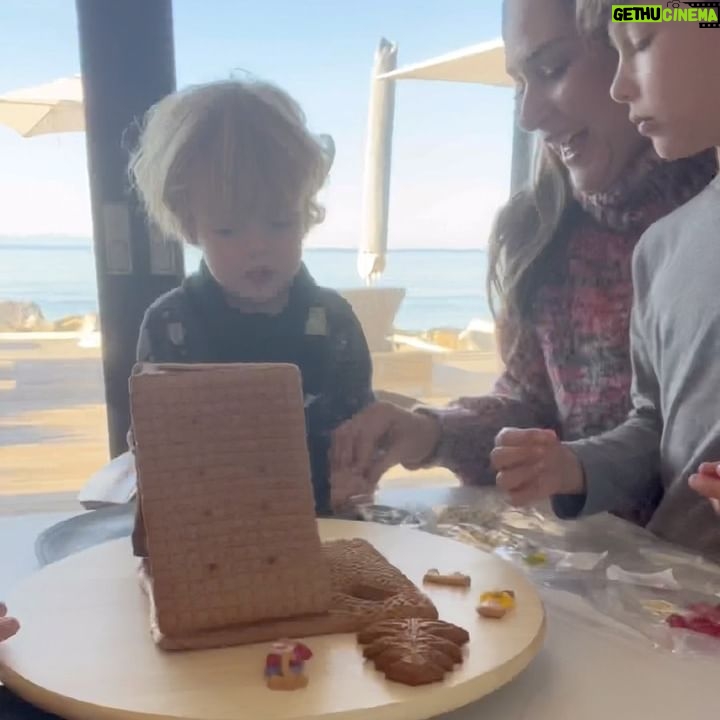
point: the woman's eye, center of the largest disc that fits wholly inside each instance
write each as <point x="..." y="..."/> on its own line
<point x="552" y="72"/>
<point x="224" y="232"/>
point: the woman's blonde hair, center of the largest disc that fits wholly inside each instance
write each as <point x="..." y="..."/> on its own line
<point x="244" y="143"/>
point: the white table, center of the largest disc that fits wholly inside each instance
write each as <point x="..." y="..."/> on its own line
<point x="587" y="671"/>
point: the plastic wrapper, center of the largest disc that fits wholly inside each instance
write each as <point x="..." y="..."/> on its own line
<point x="624" y="573"/>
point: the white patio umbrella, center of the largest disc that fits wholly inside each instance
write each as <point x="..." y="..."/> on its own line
<point x="376" y="196"/>
<point x="483" y="64"/>
<point x="55" y="107"/>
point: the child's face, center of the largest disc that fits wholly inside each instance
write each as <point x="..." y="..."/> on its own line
<point x="667" y="75"/>
<point x="254" y="260"/>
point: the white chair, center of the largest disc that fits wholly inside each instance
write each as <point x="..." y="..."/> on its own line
<point x="376" y="309"/>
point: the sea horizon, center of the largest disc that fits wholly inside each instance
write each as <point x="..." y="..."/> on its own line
<point x="443" y="289"/>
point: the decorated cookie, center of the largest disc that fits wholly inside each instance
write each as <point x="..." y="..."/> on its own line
<point x="496" y="604"/>
<point x="414" y="651"/>
<point x="456" y="579"/>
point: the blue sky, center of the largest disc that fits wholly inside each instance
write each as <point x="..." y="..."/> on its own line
<point x="452" y="141"/>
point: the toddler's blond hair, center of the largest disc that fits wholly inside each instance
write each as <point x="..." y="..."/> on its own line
<point x="245" y="143"/>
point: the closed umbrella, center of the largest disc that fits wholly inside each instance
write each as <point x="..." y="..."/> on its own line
<point x="376" y="197"/>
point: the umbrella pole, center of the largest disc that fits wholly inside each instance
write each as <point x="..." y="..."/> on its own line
<point x="127" y="61"/>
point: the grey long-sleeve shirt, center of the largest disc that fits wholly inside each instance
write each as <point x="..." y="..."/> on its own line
<point x="675" y="422"/>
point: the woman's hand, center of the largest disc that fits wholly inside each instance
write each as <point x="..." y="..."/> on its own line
<point x="707" y="483"/>
<point x="533" y="465"/>
<point x="381" y="436"/>
<point x="8" y="625"/>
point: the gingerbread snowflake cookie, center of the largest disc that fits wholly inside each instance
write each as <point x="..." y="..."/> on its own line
<point x="414" y="651"/>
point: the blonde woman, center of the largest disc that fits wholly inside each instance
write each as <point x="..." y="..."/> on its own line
<point x="231" y="168"/>
<point x="560" y="265"/>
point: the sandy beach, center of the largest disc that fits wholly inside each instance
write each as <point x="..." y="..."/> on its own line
<point x="53" y="430"/>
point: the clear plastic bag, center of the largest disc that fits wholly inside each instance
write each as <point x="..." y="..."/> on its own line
<point x="622" y="572"/>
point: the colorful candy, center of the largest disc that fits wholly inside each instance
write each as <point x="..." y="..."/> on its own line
<point x="701" y="618"/>
<point x="285" y="665"/>
<point x="496" y="604"/>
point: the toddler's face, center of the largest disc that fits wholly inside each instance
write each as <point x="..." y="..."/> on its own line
<point x="667" y="75"/>
<point x="253" y="259"/>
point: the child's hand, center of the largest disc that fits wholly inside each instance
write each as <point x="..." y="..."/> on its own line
<point x="8" y="626"/>
<point x="707" y="483"/>
<point x="380" y="437"/>
<point x="346" y="486"/>
<point x="533" y="465"/>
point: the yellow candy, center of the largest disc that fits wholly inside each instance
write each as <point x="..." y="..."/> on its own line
<point x="496" y="604"/>
<point x="535" y="559"/>
<point x="660" y="608"/>
<point x="503" y="598"/>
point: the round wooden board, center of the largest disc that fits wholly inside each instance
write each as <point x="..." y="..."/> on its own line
<point x="85" y="652"/>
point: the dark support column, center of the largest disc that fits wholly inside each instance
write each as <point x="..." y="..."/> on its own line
<point x="128" y="63"/>
<point x="522" y="157"/>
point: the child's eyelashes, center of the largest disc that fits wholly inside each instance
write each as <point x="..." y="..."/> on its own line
<point x="634" y="41"/>
<point x="641" y="43"/>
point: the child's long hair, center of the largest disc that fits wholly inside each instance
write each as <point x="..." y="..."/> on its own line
<point x="244" y="143"/>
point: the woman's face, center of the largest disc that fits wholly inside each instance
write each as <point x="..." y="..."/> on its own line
<point x="563" y="84"/>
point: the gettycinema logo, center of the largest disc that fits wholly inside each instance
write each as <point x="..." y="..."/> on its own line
<point x="705" y="14"/>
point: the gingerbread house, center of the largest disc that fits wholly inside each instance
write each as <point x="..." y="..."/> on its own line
<point x="226" y="515"/>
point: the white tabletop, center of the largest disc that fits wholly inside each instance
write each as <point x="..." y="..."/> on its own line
<point x="587" y="670"/>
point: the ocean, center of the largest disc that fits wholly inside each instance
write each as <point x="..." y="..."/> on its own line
<point x="445" y="288"/>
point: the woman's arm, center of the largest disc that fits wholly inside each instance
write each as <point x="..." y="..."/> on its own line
<point x="522" y="397"/>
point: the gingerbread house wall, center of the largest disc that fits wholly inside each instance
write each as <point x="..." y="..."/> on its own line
<point x="227" y="500"/>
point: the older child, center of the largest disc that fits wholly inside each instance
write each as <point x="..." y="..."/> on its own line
<point x="665" y="76"/>
<point x="232" y="168"/>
